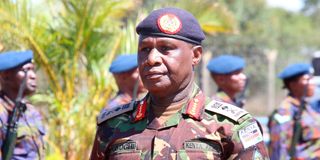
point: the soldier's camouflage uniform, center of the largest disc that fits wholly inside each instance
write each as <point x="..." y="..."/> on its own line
<point x="202" y="129"/>
<point x="281" y="132"/>
<point x="30" y="144"/>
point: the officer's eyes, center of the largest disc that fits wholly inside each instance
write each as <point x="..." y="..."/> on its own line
<point x="145" y="49"/>
<point x="164" y="49"/>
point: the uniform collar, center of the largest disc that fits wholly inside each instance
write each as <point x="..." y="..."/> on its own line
<point x="293" y="100"/>
<point x="193" y="108"/>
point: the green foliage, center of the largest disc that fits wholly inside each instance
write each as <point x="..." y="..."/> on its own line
<point x="74" y="42"/>
<point x="213" y="17"/>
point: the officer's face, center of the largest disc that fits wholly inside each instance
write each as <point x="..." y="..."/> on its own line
<point x="14" y="77"/>
<point x="127" y="80"/>
<point x="166" y="64"/>
<point x="233" y="82"/>
<point x="299" y="85"/>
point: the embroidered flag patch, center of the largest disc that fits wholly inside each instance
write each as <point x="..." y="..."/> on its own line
<point x="250" y="135"/>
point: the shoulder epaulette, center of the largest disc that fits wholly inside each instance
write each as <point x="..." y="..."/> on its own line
<point x="226" y="109"/>
<point x="108" y="113"/>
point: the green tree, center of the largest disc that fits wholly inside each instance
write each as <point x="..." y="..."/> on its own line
<point x="72" y="41"/>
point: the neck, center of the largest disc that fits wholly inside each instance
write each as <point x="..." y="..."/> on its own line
<point x="180" y="96"/>
<point x="297" y="96"/>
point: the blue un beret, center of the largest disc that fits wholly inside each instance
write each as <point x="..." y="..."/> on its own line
<point x="124" y="63"/>
<point x="295" y="70"/>
<point x="174" y="23"/>
<point x="225" y="64"/>
<point x="12" y="59"/>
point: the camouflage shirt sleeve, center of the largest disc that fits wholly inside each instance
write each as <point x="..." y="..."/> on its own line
<point x="108" y="120"/>
<point x="248" y="140"/>
<point x="279" y="138"/>
<point x="2" y="134"/>
<point x="99" y="145"/>
<point x="241" y="135"/>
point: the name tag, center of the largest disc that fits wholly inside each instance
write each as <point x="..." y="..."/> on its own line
<point x="202" y="146"/>
<point x="128" y="146"/>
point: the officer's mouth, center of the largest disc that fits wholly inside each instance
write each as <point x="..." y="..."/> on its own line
<point x="154" y="75"/>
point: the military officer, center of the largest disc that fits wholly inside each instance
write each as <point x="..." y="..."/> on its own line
<point x="227" y="73"/>
<point x="15" y="67"/>
<point x="175" y="120"/>
<point x="293" y="111"/>
<point x="125" y="71"/>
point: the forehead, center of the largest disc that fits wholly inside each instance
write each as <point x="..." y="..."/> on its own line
<point x="28" y="65"/>
<point x="231" y="74"/>
<point x="152" y="39"/>
<point x="305" y="77"/>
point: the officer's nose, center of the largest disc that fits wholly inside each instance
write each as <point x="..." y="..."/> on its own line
<point x="154" y="57"/>
<point x="31" y="74"/>
<point x="242" y="76"/>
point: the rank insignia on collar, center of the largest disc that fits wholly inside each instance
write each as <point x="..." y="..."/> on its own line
<point x="169" y="24"/>
<point x="141" y="110"/>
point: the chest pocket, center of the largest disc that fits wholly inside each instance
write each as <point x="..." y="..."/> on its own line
<point x="200" y="149"/>
<point x="124" y="151"/>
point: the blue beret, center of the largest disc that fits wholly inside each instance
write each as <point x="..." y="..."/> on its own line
<point x="124" y="63"/>
<point x="295" y="70"/>
<point x="225" y="64"/>
<point x="174" y="23"/>
<point x="12" y="59"/>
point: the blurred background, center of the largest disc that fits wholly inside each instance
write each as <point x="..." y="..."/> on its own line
<point x="75" y="41"/>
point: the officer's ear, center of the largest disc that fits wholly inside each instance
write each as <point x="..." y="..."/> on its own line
<point x="196" y="55"/>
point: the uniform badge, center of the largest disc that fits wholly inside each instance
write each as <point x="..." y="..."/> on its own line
<point x="231" y="111"/>
<point x="169" y="24"/>
<point x="282" y="118"/>
<point x="250" y="135"/>
<point x="141" y="110"/>
<point x="128" y="146"/>
<point x="194" y="108"/>
<point x="114" y="111"/>
<point x="202" y="146"/>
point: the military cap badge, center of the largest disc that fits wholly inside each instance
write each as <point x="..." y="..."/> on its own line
<point x="169" y="24"/>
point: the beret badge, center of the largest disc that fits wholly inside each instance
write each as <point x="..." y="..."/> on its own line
<point x="169" y="24"/>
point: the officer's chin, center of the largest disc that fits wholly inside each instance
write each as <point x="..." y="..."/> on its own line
<point x="30" y="91"/>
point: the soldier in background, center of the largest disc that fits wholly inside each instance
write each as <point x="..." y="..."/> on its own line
<point x="227" y="73"/>
<point x="14" y="67"/>
<point x="125" y="71"/>
<point x="315" y="99"/>
<point x="175" y="120"/>
<point x="295" y="126"/>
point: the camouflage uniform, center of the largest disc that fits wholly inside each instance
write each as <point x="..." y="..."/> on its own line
<point x="281" y="131"/>
<point x="202" y="129"/>
<point x="30" y="144"/>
